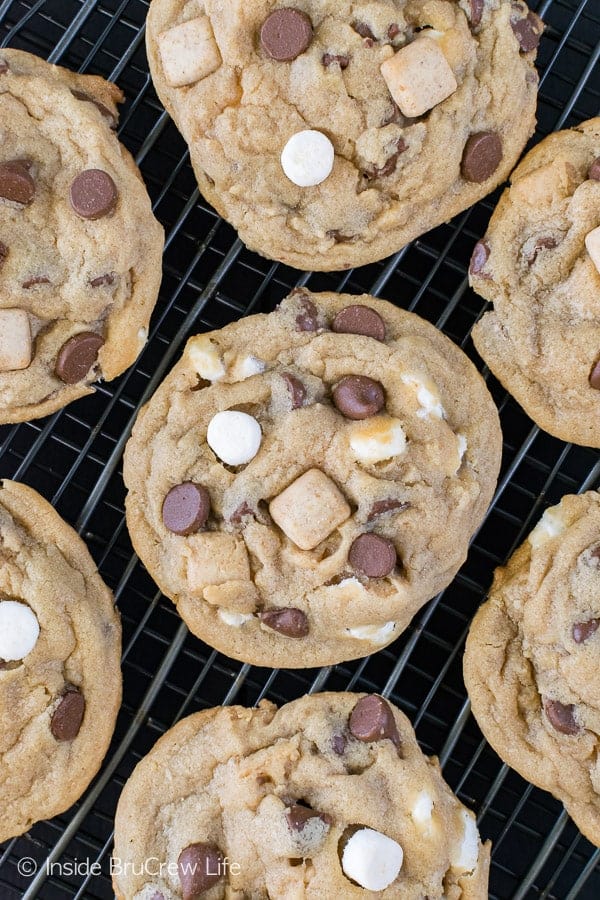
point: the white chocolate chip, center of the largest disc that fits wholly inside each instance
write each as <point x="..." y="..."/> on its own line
<point x="15" y="340"/>
<point x="427" y="396"/>
<point x="419" y="76"/>
<point x="309" y="509"/>
<point x="592" y="243"/>
<point x="372" y="859"/>
<point x="189" y="52"/>
<point x="19" y="630"/>
<point x="377" y="439"/>
<point x="205" y="358"/>
<point x="422" y="810"/>
<point x="245" y="367"/>
<point x="236" y="620"/>
<point x="234" y="436"/>
<point x="467" y="852"/>
<point x="307" y="158"/>
<point x="377" y="634"/>
<point x="550" y="526"/>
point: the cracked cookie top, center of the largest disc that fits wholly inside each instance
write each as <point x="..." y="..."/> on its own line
<point x="60" y="677"/>
<point x="329" y="796"/>
<point x="531" y="661"/>
<point x="331" y="133"/>
<point x="80" y="250"/>
<point x="539" y="264"/>
<point x="303" y="481"/>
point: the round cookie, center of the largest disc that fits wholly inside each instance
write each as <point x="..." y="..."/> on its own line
<point x="303" y="482"/>
<point x="80" y="251"/>
<point x="539" y="264"/>
<point x="60" y="677"/>
<point x="329" y="133"/>
<point x="329" y="796"/>
<point x="531" y="661"/>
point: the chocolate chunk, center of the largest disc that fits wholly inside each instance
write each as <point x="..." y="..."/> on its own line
<point x="243" y="511"/>
<point x="308" y="317"/>
<point x="481" y="157"/>
<point x="393" y="31"/>
<point x="358" y="397"/>
<point x="101" y="280"/>
<point x="93" y="194"/>
<point x="107" y="114"/>
<point x="68" y="715"/>
<point x="561" y="716"/>
<point x="547" y="242"/>
<point x="297" y="816"/>
<point x="389" y="167"/>
<point x="373" y="720"/>
<point x="338" y="744"/>
<point x="584" y="630"/>
<point x="479" y="257"/>
<point x="16" y="182"/>
<point x="528" y="31"/>
<point x="372" y="555"/>
<point x="476" y="12"/>
<point x="296" y="389"/>
<point x="380" y="507"/>
<point x="359" y="319"/>
<point x="594" y="378"/>
<point x="186" y="508"/>
<point x="36" y="279"/>
<point x="329" y="58"/>
<point x="77" y="356"/>
<point x="291" y="622"/>
<point x="200" y="867"/>
<point x="3" y="253"/>
<point x="286" y="33"/>
<point x="363" y="29"/>
<point x="594" y="172"/>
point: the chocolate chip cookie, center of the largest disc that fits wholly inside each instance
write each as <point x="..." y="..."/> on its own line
<point x="331" y="133"/>
<point x="531" y="662"/>
<point x="60" y="677"/>
<point x="80" y="251"/>
<point x="539" y="264"/>
<point x="302" y="482"/>
<point x="329" y="796"/>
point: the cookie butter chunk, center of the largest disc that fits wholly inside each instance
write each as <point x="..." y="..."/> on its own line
<point x="15" y="340"/>
<point x="189" y="52"/>
<point x="309" y="509"/>
<point x="419" y="77"/>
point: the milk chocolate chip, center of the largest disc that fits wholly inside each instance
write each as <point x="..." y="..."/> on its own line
<point x="372" y="555"/>
<point x="296" y="389"/>
<point x="106" y="113"/>
<point x="308" y="317"/>
<point x="93" y="194"/>
<point x="528" y="31"/>
<point x="358" y="397"/>
<point x="16" y="182"/>
<point x="380" y="507"/>
<point x="561" y="716"/>
<point x="35" y="279"/>
<point x="286" y="33"/>
<point x="391" y="163"/>
<point x="329" y="58"/>
<point x="186" y="508"/>
<point x="595" y="376"/>
<point x="200" y="867"/>
<point x="476" y="12"/>
<point x="101" y="280"/>
<point x="68" y="715"/>
<point x="481" y="157"/>
<point x="481" y="254"/>
<point x="594" y="172"/>
<point x="359" y="319"/>
<point x="291" y="622"/>
<point x="297" y="816"/>
<point x="584" y="630"/>
<point x="373" y="720"/>
<point x="77" y="356"/>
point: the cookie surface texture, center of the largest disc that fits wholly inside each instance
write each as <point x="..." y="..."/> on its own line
<point x="303" y="481"/>
<point x="333" y="133"/>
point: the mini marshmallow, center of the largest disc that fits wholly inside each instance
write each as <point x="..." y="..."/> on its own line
<point x="15" y="340"/>
<point x="19" y="630"/>
<point x="234" y="436"/>
<point x="372" y="859"/>
<point x="377" y="439"/>
<point x="377" y="634"/>
<point x="427" y="396"/>
<point x="419" y="76"/>
<point x="142" y="337"/>
<point x="189" y="52"/>
<point x="422" y="810"/>
<point x="550" y="526"/>
<point x="467" y="853"/>
<point x="245" y="367"/>
<point x="309" y="509"/>
<point x="462" y="448"/>
<point x="307" y="158"/>
<point x="205" y="358"/>
<point x="592" y="243"/>
<point x="236" y="620"/>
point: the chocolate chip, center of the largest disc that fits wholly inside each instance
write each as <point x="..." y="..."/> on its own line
<point x="157" y="896"/>
<point x="584" y="630"/>
<point x="36" y="279"/>
<point x="372" y="555"/>
<point x="481" y="157"/>
<point x="101" y="280"/>
<point x="77" y="356"/>
<point x="394" y="117"/>
<point x="380" y="507"/>
<point x="338" y="744"/>
<point x="339" y="237"/>
<point x="296" y="389"/>
<point x="68" y="716"/>
<point x="594" y="172"/>
<point x="3" y="67"/>
<point x="107" y="114"/>
<point x="297" y="816"/>
<point x="93" y="194"/>
<point x="358" y="397"/>
<point x="528" y="31"/>
<point x="547" y="242"/>
<point x="393" y="31"/>
<point x="373" y="720"/>
<point x="390" y="165"/>
<point x="286" y="33"/>
<point x="291" y="622"/>
<point x="594" y="378"/>
<point x="479" y="257"/>
<point x="359" y="319"/>
<point x="363" y="29"/>
<point x="186" y="508"/>
<point x="3" y="253"/>
<point x="592" y="556"/>
<point x="308" y="317"/>
<point x="200" y="867"/>
<point x="243" y="511"/>
<point x="329" y="58"/>
<point x="561" y="716"/>
<point x="476" y="12"/>
<point x="16" y="182"/>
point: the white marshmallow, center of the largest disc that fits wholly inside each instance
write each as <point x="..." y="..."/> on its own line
<point x="245" y="367"/>
<point x="307" y="158"/>
<point x="467" y="852"/>
<point x="189" y="52"/>
<point x="462" y="448"/>
<point x="235" y="619"/>
<point x="377" y="634"/>
<point x="377" y="439"/>
<point x="142" y="337"/>
<point x="550" y="526"/>
<point x="19" y="630"/>
<point x="592" y="243"/>
<point x="427" y="396"/>
<point x="205" y="358"/>
<point x="422" y="810"/>
<point x="234" y="436"/>
<point x="372" y="859"/>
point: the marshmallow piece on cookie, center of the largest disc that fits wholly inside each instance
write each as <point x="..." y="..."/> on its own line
<point x="244" y="367"/>
<point x="234" y="436"/>
<point x="419" y="76"/>
<point x="372" y="859"/>
<point x="205" y="358"/>
<point x="550" y="526"/>
<point x="309" y="509"/>
<point x="467" y="853"/>
<point x="427" y="395"/>
<point x="377" y="439"/>
<point x="15" y="340"/>
<point x="189" y="52"/>
<point x="592" y="243"/>
<point x="307" y="158"/>
<point x="19" y="630"/>
<point x="376" y="634"/>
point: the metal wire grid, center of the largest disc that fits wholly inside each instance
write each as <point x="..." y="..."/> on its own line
<point x="74" y="457"/>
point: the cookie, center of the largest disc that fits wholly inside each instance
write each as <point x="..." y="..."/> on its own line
<point x="539" y="264"/>
<point x="302" y="482"/>
<point x="531" y="661"/>
<point x="330" y="133"/>
<point x="80" y="251"/>
<point x="60" y="677"/>
<point x="329" y="796"/>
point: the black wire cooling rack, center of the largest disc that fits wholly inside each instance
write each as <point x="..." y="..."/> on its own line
<point x="74" y="459"/>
